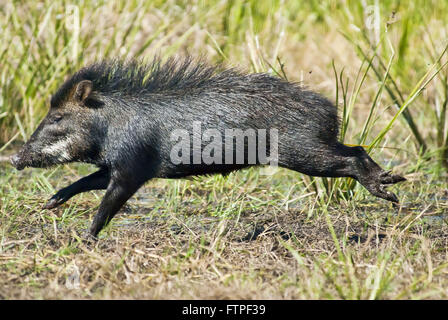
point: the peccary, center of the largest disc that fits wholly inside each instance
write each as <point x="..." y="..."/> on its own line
<point x="120" y="116"/>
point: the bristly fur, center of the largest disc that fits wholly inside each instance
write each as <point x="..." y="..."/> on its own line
<point x="136" y="77"/>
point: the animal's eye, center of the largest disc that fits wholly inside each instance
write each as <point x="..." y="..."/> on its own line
<point x="56" y="118"/>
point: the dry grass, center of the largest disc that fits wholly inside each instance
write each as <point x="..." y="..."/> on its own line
<point x="162" y="248"/>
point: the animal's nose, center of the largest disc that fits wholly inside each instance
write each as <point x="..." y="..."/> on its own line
<point x="15" y="161"/>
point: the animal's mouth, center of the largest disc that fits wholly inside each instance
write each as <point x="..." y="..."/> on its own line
<point x="23" y="159"/>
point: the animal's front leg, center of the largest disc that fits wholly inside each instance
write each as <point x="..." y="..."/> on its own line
<point x="118" y="192"/>
<point x="96" y="181"/>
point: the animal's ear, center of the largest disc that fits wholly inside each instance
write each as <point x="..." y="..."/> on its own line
<point x="83" y="90"/>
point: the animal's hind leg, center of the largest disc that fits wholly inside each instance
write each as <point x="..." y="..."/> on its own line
<point x="339" y="160"/>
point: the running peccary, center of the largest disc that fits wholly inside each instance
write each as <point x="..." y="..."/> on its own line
<point x="121" y="116"/>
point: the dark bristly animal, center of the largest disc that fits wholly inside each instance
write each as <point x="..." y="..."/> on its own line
<point x="120" y="116"/>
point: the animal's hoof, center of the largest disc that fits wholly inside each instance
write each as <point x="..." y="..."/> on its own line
<point x="87" y="237"/>
<point x="380" y="191"/>
<point x="387" y="177"/>
<point x="386" y="194"/>
<point x="51" y="204"/>
<point x="391" y="197"/>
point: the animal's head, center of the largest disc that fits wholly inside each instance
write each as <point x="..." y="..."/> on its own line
<point x="69" y="132"/>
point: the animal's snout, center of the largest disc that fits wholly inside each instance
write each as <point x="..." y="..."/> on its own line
<point x="16" y="161"/>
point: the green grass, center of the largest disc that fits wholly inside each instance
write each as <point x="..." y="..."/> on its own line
<point x="247" y="235"/>
<point x="220" y="237"/>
